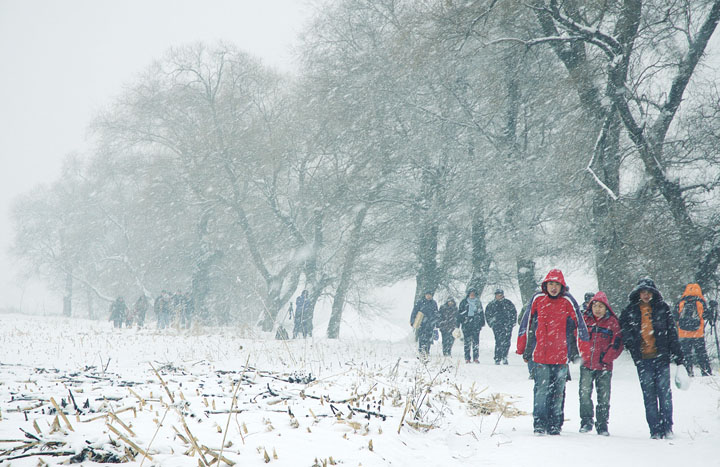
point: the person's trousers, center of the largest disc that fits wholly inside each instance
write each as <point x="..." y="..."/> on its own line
<point x="696" y="354"/>
<point x="549" y="395"/>
<point x="447" y="342"/>
<point x="424" y="343"/>
<point x="654" y="375"/>
<point x="471" y="342"/>
<point x="502" y="342"/>
<point x="601" y="380"/>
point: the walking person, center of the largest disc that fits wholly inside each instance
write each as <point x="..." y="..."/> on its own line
<point x="604" y="346"/>
<point x="118" y="312"/>
<point x="303" y="315"/>
<point x="447" y="324"/>
<point x="471" y="319"/>
<point x="426" y="323"/>
<point x="651" y="337"/>
<point x="548" y="335"/>
<point x="500" y="315"/>
<point x="141" y="307"/>
<point x="690" y="316"/>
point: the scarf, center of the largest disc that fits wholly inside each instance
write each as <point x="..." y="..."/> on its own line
<point x="473" y="305"/>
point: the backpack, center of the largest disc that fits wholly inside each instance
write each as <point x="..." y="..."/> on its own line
<point x="689" y="319"/>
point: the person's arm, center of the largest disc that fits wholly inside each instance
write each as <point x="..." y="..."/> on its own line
<point x="673" y="339"/>
<point x="571" y="337"/>
<point x="616" y="344"/>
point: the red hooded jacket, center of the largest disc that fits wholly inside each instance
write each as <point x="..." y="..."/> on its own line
<point x="549" y="330"/>
<point x="605" y="344"/>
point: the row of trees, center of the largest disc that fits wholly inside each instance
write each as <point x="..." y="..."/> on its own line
<point x="454" y="142"/>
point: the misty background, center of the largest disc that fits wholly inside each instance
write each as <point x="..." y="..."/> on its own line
<point x="65" y="61"/>
<point x="242" y="154"/>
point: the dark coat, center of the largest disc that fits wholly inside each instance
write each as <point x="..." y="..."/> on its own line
<point x="477" y="321"/>
<point x="501" y="314"/>
<point x="664" y="329"/>
<point x="430" y="313"/>
<point x="448" y="317"/>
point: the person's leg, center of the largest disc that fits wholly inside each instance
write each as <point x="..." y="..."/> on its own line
<point x="646" y="374"/>
<point x="497" y="333"/>
<point x="586" y="404"/>
<point x="447" y="342"/>
<point x="702" y="356"/>
<point x="424" y="345"/>
<point x="540" y="398"/>
<point x="664" y="395"/>
<point x="687" y="350"/>
<point x="602" y="388"/>
<point x="467" y="341"/>
<point x="556" y="399"/>
<point x="476" y="344"/>
<point x="505" y="344"/>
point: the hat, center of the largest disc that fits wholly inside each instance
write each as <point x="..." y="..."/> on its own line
<point x="429" y="292"/>
<point x="499" y="292"/>
<point x="472" y="290"/>
<point x="645" y="284"/>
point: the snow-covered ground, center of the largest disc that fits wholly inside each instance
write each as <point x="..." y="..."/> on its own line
<point x="305" y="402"/>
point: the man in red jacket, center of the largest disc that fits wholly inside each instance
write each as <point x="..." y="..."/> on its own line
<point x="548" y="335"/>
<point x="604" y="346"/>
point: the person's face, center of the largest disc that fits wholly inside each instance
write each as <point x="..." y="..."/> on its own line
<point x="499" y="296"/>
<point x="645" y="296"/>
<point x="554" y="288"/>
<point x="599" y="309"/>
<point x="428" y="296"/>
<point x="451" y="303"/>
<point x="472" y="295"/>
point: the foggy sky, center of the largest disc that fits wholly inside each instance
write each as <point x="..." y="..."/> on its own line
<point x="64" y="60"/>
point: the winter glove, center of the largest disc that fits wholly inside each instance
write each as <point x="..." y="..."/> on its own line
<point x="436" y="334"/>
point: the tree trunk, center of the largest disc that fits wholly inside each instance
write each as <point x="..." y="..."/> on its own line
<point x="526" y="279"/>
<point x="67" y="299"/>
<point x="426" y="279"/>
<point x="610" y="256"/>
<point x="480" y="256"/>
<point x="351" y="254"/>
<point x="90" y="303"/>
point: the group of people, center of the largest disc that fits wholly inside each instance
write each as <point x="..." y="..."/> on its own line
<point x="428" y="319"/>
<point x="169" y="308"/>
<point x="120" y="313"/>
<point x="555" y="330"/>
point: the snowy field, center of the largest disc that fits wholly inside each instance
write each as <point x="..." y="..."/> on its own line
<point x="305" y="402"/>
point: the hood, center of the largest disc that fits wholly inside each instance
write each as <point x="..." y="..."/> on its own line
<point x="602" y="298"/>
<point x="693" y="290"/>
<point x="555" y="275"/>
<point x="645" y="284"/>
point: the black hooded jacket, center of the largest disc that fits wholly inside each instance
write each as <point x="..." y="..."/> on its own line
<point x="665" y="331"/>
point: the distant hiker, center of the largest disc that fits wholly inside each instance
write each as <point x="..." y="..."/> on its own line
<point x="424" y="318"/>
<point x="500" y="315"/>
<point x="118" y="311"/>
<point x="162" y="309"/>
<point x="471" y="320"/>
<point x="447" y="324"/>
<point x="586" y="300"/>
<point x="651" y="337"/>
<point x="690" y="318"/>
<point x="141" y="307"/>
<point x="303" y="315"/>
<point x="548" y="335"/>
<point x="604" y="346"/>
